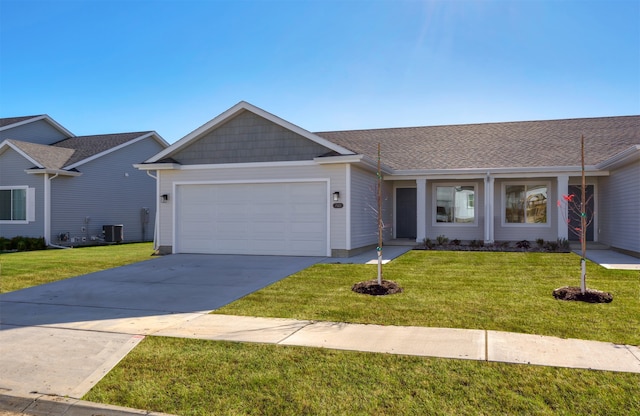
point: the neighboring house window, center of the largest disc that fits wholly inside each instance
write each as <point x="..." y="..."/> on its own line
<point x="455" y="204"/>
<point x="16" y="204"/>
<point x="526" y="203"/>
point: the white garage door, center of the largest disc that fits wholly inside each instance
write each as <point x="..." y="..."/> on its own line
<point x="257" y="218"/>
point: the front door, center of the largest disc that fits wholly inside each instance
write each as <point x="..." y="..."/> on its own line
<point x="406" y="213"/>
<point x="574" y="215"/>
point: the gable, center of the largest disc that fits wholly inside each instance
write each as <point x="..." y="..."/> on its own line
<point x="248" y="137"/>
<point x="41" y="131"/>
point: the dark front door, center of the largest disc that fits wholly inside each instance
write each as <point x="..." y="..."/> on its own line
<point x="406" y="213"/>
<point x="574" y="215"/>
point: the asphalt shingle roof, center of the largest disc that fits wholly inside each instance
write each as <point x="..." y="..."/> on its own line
<point x="87" y="146"/>
<point x="47" y="156"/>
<point x="75" y="149"/>
<point x="13" y="120"/>
<point x="494" y="145"/>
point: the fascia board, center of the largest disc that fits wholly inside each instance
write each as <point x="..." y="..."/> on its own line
<point x="497" y="172"/>
<point x="7" y="143"/>
<point x="60" y="172"/>
<point x="359" y="159"/>
<point x="48" y="119"/>
<point x="232" y="112"/>
<point x="111" y="150"/>
<point x="626" y="156"/>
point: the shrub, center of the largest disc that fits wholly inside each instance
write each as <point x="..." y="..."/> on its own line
<point x="552" y="246"/>
<point x="20" y="243"/>
<point x="524" y="244"/>
<point x="540" y="242"/>
<point x="428" y="243"/>
<point x="476" y="243"/>
<point x="442" y="240"/>
<point x="456" y="242"/>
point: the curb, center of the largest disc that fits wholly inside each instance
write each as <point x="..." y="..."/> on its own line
<point x="42" y="404"/>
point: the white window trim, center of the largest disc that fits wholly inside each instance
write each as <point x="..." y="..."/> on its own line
<point x="434" y="205"/>
<point x="30" y="205"/>
<point x="525" y="224"/>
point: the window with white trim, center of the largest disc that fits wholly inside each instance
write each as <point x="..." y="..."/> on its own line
<point x="16" y="204"/>
<point x="526" y="203"/>
<point x="454" y="204"/>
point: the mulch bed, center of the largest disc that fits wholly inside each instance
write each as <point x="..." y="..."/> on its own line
<point x="590" y="295"/>
<point x="371" y="287"/>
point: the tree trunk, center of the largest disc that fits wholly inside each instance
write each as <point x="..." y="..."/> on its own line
<point x="583" y="226"/>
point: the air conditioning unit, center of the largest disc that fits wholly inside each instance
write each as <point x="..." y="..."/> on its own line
<point x="113" y="233"/>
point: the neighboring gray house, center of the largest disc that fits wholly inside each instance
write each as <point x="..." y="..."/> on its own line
<point x="249" y="182"/>
<point x="65" y="188"/>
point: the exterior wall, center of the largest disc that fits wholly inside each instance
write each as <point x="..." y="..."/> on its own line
<point x="465" y="232"/>
<point x="249" y="138"/>
<point x="12" y="173"/>
<point x="109" y="191"/>
<point x="363" y="207"/>
<point x="39" y="132"/>
<point x="619" y="208"/>
<point x="335" y="174"/>
<point x="531" y="232"/>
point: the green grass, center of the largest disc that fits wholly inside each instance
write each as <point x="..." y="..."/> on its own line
<point x="33" y="268"/>
<point x="479" y="290"/>
<point x="196" y="377"/>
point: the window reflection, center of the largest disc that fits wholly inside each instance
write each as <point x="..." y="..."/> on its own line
<point x="455" y="204"/>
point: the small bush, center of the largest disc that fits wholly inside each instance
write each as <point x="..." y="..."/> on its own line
<point x="552" y="246"/>
<point x="442" y="240"/>
<point x="428" y="243"/>
<point x="456" y="242"/>
<point x="540" y="242"/>
<point x="524" y="244"/>
<point x="20" y="243"/>
<point x="476" y="243"/>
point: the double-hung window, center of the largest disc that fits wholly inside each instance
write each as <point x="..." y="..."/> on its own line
<point x="455" y="204"/>
<point x="15" y="204"/>
<point x="526" y="203"/>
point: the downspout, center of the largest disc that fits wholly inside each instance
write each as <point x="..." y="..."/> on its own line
<point x="47" y="211"/>
<point x="156" y="223"/>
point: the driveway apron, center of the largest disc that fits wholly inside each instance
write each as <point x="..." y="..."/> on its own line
<point x="62" y="338"/>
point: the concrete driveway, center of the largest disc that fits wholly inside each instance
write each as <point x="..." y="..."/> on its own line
<point x="63" y="337"/>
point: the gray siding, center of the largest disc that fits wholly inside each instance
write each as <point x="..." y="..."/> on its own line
<point x="364" y="205"/>
<point x="12" y="173"/>
<point x="619" y="213"/>
<point x="109" y="191"/>
<point x="39" y="132"/>
<point x="249" y="138"/>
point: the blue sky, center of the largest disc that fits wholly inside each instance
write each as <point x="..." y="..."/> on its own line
<point x="170" y="65"/>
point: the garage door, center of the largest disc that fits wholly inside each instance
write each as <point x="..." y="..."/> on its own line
<point x="257" y="218"/>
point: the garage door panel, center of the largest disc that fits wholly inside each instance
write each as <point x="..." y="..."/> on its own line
<point x="261" y="218"/>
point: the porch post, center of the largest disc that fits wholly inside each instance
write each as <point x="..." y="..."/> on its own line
<point x="421" y="209"/>
<point x="563" y="210"/>
<point x="488" y="208"/>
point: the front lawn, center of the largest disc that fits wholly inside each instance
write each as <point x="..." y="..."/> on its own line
<point x="480" y="290"/>
<point x="198" y="377"/>
<point x="32" y="268"/>
<point x="501" y="291"/>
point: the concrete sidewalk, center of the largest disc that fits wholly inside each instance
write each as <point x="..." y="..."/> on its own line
<point x="467" y="344"/>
